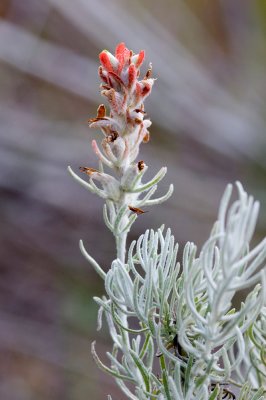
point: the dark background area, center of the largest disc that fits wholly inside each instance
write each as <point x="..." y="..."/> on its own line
<point x="208" y="113"/>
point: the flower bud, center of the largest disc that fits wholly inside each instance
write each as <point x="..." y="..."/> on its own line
<point x="138" y="59"/>
<point x="108" y="61"/>
<point x="123" y="56"/>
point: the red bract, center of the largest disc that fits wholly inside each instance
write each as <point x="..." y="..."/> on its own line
<point x="140" y="58"/>
<point x="123" y="55"/>
<point x="105" y="60"/>
<point x="132" y="75"/>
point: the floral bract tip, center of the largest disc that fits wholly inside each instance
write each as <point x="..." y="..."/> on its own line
<point x="122" y="59"/>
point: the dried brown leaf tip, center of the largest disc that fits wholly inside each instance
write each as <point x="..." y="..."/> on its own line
<point x="101" y="111"/>
<point x="148" y="73"/>
<point x="139" y="110"/>
<point x="146" y="138"/>
<point x="100" y="115"/>
<point x="91" y="120"/>
<point x="88" y="171"/>
<point x="141" y="165"/>
<point x="106" y="87"/>
<point x="136" y="210"/>
<point x="113" y="135"/>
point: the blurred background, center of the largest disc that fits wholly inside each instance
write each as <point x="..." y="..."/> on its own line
<point x="208" y="113"/>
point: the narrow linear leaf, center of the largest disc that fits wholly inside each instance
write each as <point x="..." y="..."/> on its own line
<point x="142" y="369"/>
<point x="107" y="369"/>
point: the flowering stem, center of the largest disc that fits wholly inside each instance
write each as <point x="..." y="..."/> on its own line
<point x="202" y="342"/>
